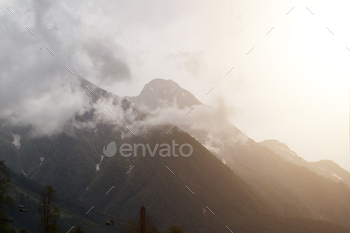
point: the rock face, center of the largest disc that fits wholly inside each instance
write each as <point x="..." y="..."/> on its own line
<point x="160" y="93"/>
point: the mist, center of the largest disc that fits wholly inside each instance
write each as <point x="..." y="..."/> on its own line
<point x="38" y="73"/>
<point x="208" y="124"/>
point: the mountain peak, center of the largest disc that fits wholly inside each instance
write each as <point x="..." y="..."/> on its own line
<point x="165" y="85"/>
<point x="160" y="81"/>
<point x="283" y="150"/>
<point x="161" y="93"/>
<point x="275" y="143"/>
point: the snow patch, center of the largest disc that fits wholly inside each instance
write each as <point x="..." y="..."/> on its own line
<point x="294" y="154"/>
<point x="98" y="165"/>
<point x="339" y="178"/>
<point x="224" y="161"/>
<point x="42" y="160"/>
<point x="291" y="152"/>
<point x="16" y="140"/>
<point x="24" y="173"/>
<point x="151" y="88"/>
<point x="195" y="138"/>
<point x="286" y="150"/>
<point x="212" y="149"/>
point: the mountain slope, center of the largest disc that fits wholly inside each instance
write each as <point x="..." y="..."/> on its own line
<point x="150" y="183"/>
<point x="165" y="195"/>
<point x="290" y="189"/>
<point x="325" y="168"/>
<point x="333" y="171"/>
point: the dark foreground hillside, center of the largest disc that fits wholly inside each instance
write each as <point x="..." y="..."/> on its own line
<point x="70" y="166"/>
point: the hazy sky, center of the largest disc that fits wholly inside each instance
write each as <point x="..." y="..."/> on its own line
<point x="293" y="85"/>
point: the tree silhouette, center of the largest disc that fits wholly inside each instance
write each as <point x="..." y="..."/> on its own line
<point x="49" y="211"/>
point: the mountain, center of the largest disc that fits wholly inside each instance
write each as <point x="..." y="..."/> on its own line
<point x="258" y="191"/>
<point x="161" y="93"/>
<point x="73" y="163"/>
<point x="333" y="171"/>
<point x="289" y="187"/>
<point x="325" y="168"/>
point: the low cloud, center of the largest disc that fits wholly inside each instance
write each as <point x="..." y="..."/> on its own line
<point x="36" y="87"/>
<point x="209" y="124"/>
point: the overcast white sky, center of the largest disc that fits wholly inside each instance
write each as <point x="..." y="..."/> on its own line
<point x="293" y="86"/>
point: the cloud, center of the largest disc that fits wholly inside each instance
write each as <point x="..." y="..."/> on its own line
<point x="193" y="62"/>
<point x="36" y="87"/>
<point x="206" y="123"/>
<point x="104" y="59"/>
